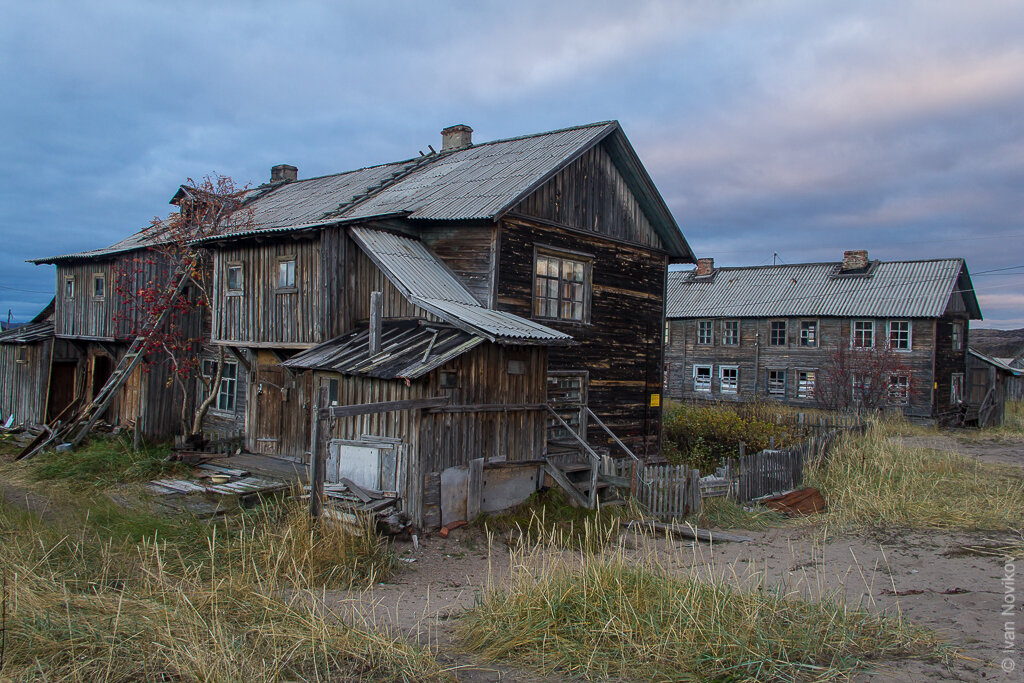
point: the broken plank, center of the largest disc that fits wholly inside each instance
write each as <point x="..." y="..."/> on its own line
<point x="376" y="505"/>
<point x="687" y="531"/>
<point x="360" y="492"/>
<point x="231" y="472"/>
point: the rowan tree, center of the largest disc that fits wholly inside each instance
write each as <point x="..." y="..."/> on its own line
<point x="863" y="379"/>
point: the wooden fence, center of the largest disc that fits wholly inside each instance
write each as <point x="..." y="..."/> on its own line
<point x="666" y="491"/>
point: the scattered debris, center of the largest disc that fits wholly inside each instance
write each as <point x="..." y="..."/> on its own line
<point x="919" y="591"/>
<point x="450" y="527"/>
<point x="807" y="501"/>
<point x="687" y="531"/>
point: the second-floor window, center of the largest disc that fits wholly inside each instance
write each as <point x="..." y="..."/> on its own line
<point x="705" y="333"/>
<point x="286" y="273"/>
<point x="899" y="335"/>
<point x="69" y="288"/>
<point x="731" y="333"/>
<point x="777" y="333"/>
<point x="809" y="333"/>
<point x="560" y="287"/>
<point x="958" y="336"/>
<point x="863" y="334"/>
<point x="234" y="279"/>
<point x="99" y="287"/>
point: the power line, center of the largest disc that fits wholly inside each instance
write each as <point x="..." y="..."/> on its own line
<point x="27" y="291"/>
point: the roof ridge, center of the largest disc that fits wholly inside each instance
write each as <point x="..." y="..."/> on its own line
<point x="817" y="263"/>
<point x="596" y="124"/>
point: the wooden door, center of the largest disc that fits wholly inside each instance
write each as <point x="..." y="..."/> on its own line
<point x="270" y="393"/>
<point x="62" y="388"/>
<point x="567" y="394"/>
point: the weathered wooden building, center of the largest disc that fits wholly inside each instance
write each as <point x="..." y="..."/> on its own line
<point x="96" y="317"/>
<point x="768" y="332"/>
<point x="541" y="259"/>
<point x="25" y="356"/>
<point x="991" y="382"/>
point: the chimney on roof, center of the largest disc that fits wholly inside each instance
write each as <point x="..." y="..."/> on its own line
<point x="283" y="172"/>
<point x="456" y="137"/>
<point x="854" y="260"/>
<point x="705" y="266"/>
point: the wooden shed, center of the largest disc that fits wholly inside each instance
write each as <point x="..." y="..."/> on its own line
<point x="991" y="382"/>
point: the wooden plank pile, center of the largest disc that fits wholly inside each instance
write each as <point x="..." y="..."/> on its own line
<point x="345" y="500"/>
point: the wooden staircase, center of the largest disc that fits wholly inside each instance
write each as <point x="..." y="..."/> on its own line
<point x="581" y="478"/>
<point x="75" y="431"/>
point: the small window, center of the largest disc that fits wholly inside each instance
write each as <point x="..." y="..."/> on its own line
<point x="777" y="384"/>
<point x="228" y="384"/>
<point x="99" y="286"/>
<point x="705" y="332"/>
<point x="516" y="367"/>
<point x="805" y="383"/>
<point x="731" y="333"/>
<point x="449" y="379"/>
<point x="21" y="355"/>
<point x="333" y="386"/>
<point x="956" y="388"/>
<point x="777" y="333"/>
<point x="899" y="335"/>
<point x="899" y="389"/>
<point x="69" y="288"/>
<point x="958" y="336"/>
<point x="702" y="378"/>
<point x="286" y="273"/>
<point x="729" y="379"/>
<point x="668" y="330"/>
<point x="809" y="333"/>
<point x="560" y="287"/>
<point x="234" y="279"/>
<point x="863" y="334"/>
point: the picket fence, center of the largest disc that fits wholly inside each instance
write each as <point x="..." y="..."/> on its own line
<point x="665" y="491"/>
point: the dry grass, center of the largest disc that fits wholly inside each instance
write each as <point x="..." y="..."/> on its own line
<point x="613" y="617"/>
<point x="85" y="606"/>
<point x="875" y="481"/>
<point x="722" y="513"/>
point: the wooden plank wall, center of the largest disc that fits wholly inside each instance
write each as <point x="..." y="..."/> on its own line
<point x="369" y="278"/>
<point x="468" y="251"/>
<point x="262" y="314"/>
<point x="24" y="384"/>
<point x="949" y="361"/>
<point x="591" y="194"/>
<point x="621" y="346"/>
<point x="682" y="352"/>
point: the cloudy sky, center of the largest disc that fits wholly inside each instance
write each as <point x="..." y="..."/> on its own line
<point x="775" y="130"/>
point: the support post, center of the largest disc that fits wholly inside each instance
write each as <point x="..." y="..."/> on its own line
<point x="376" y="314"/>
<point x="317" y="458"/>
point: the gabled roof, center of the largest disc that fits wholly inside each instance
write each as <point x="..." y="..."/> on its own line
<point x="999" y="363"/>
<point x="427" y="282"/>
<point x="408" y="349"/>
<point x="147" y="237"/>
<point x="480" y="182"/>
<point x="890" y="289"/>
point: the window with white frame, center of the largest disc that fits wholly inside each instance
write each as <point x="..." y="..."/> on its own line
<point x="69" y="287"/>
<point x="286" y="273"/>
<point x="228" y="384"/>
<point x="99" y="286"/>
<point x="805" y="383"/>
<point x="702" y="378"/>
<point x="560" y="287"/>
<point x="729" y="379"/>
<point x="776" y="384"/>
<point x="860" y="387"/>
<point x="956" y="388"/>
<point x="705" y="332"/>
<point x="863" y="334"/>
<point x="809" y="333"/>
<point x="899" y="335"/>
<point x="958" y="336"/>
<point x="234" y="278"/>
<point x="777" y="333"/>
<point x="731" y="333"/>
<point x="899" y="389"/>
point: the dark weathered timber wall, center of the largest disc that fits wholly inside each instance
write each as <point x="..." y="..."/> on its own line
<point x="368" y="278"/>
<point x="23" y="385"/>
<point x="591" y="194"/>
<point x="470" y="252"/>
<point x="682" y="352"/>
<point x="621" y="346"/>
<point x="262" y="314"/>
<point x="949" y="361"/>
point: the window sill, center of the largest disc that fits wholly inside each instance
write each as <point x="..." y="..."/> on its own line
<point x="234" y="293"/>
<point x="286" y="290"/>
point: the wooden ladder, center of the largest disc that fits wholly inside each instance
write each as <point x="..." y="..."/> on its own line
<point x="91" y="413"/>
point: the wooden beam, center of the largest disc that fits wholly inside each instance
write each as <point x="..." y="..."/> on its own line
<point x="687" y="531"/>
<point x="489" y="408"/>
<point x="383" y="407"/>
<point x="376" y="316"/>
<point x="317" y="459"/>
<point x="240" y="357"/>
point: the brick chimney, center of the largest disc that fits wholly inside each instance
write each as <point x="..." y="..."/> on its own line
<point x="705" y="266"/>
<point x="283" y="172"/>
<point x="854" y="260"/>
<point x="456" y="137"/>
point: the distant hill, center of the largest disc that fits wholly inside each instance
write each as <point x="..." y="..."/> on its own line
<point x="998" y="343"/>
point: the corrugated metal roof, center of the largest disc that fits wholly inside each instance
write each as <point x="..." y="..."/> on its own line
<point x="28" y="334"/>
<point x="996" y="362"/>
<point x="408" y="350"/>
<point x="147" y="237"/>
<point x="427" y="282"/>
<point x="911" y="289"/>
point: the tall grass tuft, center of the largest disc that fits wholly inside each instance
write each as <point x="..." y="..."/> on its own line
<point x="876" y="481"/>
<point x="610" y="617"/>
<point x="84" y="606"/>
<point x="105" y="460"/>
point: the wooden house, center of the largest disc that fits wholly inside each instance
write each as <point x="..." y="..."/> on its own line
<point x="25" y="354"/>
<point x="768" y="332"/>
<point x="477" y="286"/>
<point x="94" y="322"/>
